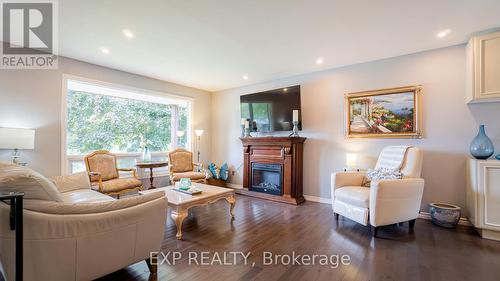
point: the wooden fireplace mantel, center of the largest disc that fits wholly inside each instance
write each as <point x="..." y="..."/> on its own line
<point x="285" y="151"/>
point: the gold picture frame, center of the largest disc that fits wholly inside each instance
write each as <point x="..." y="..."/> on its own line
<point x="384" y="113"/>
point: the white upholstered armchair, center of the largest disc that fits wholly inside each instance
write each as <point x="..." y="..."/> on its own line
<point x="385" y="202"/>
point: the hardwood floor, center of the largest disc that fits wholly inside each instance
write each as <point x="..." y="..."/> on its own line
<point x="430" y="253"/>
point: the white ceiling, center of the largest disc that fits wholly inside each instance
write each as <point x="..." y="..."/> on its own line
<point x="211" y="44"/>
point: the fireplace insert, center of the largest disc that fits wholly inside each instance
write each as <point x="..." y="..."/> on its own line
<point x="267" y="178"/>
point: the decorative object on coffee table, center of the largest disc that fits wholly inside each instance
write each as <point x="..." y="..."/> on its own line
<point x="497" y="157"/>
<point x="481" y="147"/>
<point x="445" y="215"/>
<point x="151" y="165"/>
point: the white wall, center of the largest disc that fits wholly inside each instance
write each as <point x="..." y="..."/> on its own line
<point x="32" y="99"/>
<point x="449" y="123"/>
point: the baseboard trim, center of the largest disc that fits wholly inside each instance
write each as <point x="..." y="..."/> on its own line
<point x="307" y="197"/>
<point x="427" y="216"/>
<point x="318" y="199"/>
<point x="235" y="186"/>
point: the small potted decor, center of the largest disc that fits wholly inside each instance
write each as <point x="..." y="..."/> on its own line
<point x="445" y="215"/>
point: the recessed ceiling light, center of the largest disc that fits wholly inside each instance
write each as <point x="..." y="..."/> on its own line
<point x="128" y="33"/>
<point x="319" y="60"/>
<point x="104" y="50"/>
<point x="245" y="77"/>
<point x="443" y="33"/>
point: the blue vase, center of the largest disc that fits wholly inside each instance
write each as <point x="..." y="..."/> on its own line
<point x="481" y="146"/>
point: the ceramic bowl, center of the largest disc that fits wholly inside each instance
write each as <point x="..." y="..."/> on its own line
<point x="445" y="215"/>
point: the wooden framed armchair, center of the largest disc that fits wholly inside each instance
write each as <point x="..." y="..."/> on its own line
<point x="181" y="166"/>
<point x="104" y="174"/>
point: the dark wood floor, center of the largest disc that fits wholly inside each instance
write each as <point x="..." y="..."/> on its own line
<point x="430" y="253"/>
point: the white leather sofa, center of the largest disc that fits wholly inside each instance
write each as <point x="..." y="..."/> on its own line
<point x="74" y="233"/>
<point x="385" y="202"/>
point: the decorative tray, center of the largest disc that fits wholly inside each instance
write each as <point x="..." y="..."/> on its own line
<point x="191" y="191"/>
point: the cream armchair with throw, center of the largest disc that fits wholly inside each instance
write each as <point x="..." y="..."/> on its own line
<point x="385" y="202"/>
<point x="72" y="232"/>
<point x="181" y="166"/>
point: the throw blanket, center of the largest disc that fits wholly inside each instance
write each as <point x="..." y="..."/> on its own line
<point x="392" y="157"/>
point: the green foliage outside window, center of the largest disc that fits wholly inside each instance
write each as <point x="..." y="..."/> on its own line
<point x="120" y="125"/>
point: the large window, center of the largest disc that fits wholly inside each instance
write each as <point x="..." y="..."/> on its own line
<point x="122" y="121"/>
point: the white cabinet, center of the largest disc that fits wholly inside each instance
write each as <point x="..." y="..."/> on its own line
<point x="483" y="197"/>
<point x="483" y="68"/>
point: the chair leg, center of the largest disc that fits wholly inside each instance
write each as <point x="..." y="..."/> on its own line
<point x="336" y="216"/>
<point x="412" y="224"/>
<point x="152" y="263"/>
<point x="118" y="196"/>
<point x="375" y="231"/>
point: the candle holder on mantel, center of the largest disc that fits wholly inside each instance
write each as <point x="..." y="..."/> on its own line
<point x="242" y="131"/>
<point x="247" y="133"/>
<point x="295" y="131"/>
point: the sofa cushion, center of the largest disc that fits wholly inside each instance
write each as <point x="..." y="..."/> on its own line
<point x="67" y="208"/>
<point x="354" y="195"/>
<point x="16" y="178"/>
<point x="85" y="196"/>
<point x="72" y="182"/>
<point x="190" y="175"/>
<point x="117" y="185"/>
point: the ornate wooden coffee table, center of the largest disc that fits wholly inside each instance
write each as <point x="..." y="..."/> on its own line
<point x="181" y="202"/>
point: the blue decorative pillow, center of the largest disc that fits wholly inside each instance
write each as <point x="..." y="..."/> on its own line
<point x="214" y="170"/>
<point x="224" y="172"/>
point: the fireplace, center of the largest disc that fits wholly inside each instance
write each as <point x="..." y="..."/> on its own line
<point x="267" y="178"/>
<point x="272" y="168"/>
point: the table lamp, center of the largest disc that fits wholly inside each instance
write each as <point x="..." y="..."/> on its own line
<point x="351" y="160"/>
<point x="15" y="138"/>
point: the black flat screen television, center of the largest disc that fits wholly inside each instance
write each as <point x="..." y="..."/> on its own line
<point x="272" y="110"/>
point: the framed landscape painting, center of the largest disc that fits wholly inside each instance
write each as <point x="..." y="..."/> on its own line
<point x="386" y="113"/>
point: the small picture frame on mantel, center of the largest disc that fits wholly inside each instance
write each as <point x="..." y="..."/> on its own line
<point x="385" y="113"/>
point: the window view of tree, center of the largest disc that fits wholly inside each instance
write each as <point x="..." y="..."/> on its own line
<point x="119" y="124"/>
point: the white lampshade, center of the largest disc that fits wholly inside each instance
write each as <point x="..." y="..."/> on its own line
<point x="180" y="133"/>
<point x="14" y="138"/>
<point x="351" y="160"/>
<point x="198" y="133"/>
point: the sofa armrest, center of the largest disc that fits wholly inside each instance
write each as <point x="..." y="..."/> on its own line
<point x="393" y="201"/>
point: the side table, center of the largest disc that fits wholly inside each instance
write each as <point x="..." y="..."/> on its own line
<point x="151" y="165"/>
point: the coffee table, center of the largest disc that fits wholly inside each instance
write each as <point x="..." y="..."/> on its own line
<point x="181" y="202"/>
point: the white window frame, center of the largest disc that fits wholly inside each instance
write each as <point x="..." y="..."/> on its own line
<point x="66" y="159"/>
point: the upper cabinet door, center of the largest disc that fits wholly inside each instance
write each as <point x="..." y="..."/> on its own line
<point x="483" y="64"/>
